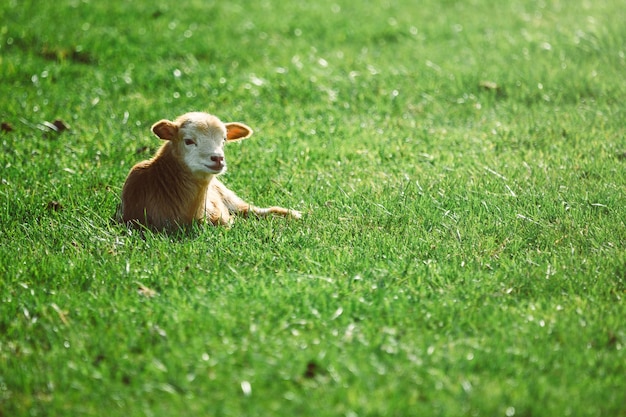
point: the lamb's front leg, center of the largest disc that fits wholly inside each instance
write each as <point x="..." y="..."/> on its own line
<point x="236" y="205"/>
<point x="215" y="209"/>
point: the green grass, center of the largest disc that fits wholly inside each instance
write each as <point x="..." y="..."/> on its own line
<point x="462" y="251"/>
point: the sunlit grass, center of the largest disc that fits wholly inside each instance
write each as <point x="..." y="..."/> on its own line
<point x="461" y="171"/>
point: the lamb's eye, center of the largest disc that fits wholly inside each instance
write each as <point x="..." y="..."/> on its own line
<point x="190" y="142"/>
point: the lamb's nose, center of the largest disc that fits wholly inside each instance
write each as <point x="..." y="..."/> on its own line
<point x="218" y="159"/>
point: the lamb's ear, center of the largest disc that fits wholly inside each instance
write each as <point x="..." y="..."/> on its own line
<point x="237" y="131"/>
<point x="165" y="129"/>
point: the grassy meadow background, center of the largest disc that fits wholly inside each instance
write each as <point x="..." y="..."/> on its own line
<point x="461" y="165"/>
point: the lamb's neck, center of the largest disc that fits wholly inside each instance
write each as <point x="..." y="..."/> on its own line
<point x="179" y="185"/>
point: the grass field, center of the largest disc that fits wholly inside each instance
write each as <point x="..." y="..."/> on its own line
<point x="461" y="167"/>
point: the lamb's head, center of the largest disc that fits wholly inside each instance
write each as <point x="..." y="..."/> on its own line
<point x="198" y="139"/>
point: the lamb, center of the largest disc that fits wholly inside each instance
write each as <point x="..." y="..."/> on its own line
<point x="179" y="185"/>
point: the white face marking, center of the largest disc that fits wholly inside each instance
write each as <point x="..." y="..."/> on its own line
<point x="202" y="144"/>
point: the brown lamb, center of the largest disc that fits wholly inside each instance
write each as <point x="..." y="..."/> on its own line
<point x="179" y="185"/>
